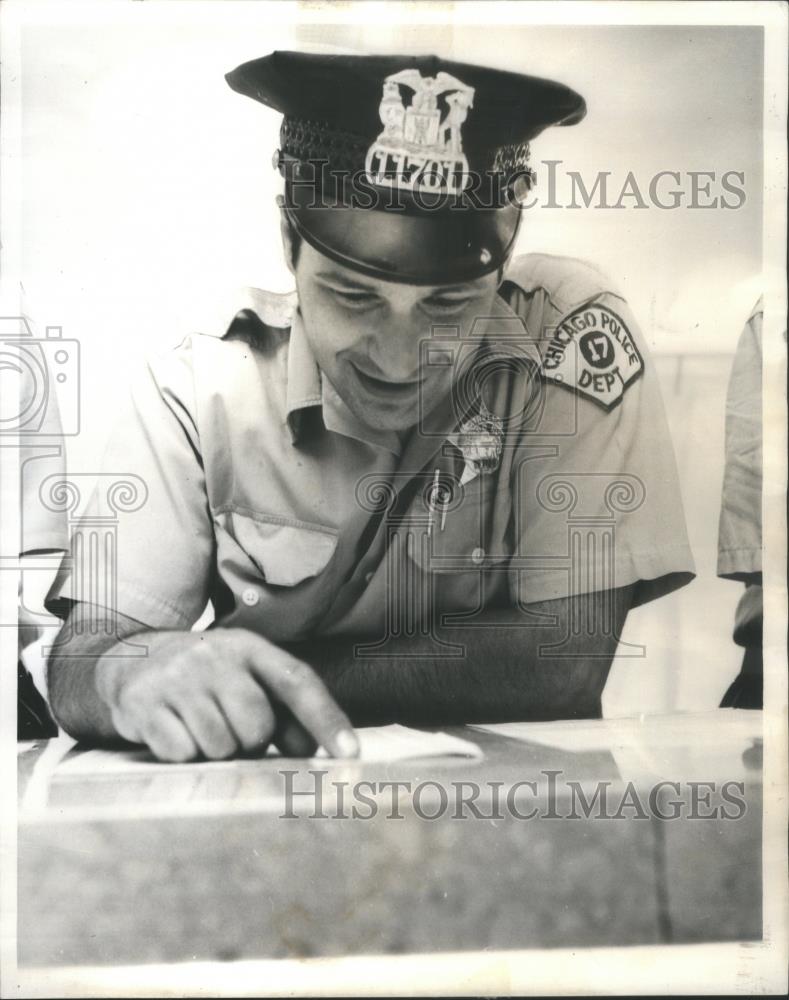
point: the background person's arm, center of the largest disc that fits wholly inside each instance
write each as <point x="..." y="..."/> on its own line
<point x="506" y="673"/>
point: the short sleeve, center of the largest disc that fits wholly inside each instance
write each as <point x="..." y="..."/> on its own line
<point x="740" y="524"/>
<point x="159" y="563"/>
<point x="596" y="495"/>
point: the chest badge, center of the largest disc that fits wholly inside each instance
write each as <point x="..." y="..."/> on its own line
<point x="420" y="147"/>
<point x="479" y="442"/>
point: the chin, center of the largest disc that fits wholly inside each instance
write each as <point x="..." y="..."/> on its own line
<point x="388" y="415"/>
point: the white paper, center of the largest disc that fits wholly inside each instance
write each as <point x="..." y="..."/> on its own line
<point x="385" y="744"/>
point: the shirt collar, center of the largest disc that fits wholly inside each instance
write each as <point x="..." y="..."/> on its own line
<point x="509" y="332"/>
<point x="304" y="388"/>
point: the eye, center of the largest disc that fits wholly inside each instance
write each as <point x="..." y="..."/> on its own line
<point x="446" y="305"/>
<point x="352" y="297"/>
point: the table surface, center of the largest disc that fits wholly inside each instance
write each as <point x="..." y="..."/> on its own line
<point x="197" y="862"/>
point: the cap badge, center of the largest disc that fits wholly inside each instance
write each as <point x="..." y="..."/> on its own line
<point x="419" y="149"/>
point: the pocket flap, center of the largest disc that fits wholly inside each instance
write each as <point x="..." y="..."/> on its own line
<point x="285" y="554"/>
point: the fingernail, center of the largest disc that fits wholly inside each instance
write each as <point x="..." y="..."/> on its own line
<point x="346" y="744"/>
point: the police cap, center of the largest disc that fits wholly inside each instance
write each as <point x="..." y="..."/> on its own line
<point x="441" y="147"/>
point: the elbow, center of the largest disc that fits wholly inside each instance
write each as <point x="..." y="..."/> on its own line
<point x="63" y="704"/>
<point x="71" y="678"/>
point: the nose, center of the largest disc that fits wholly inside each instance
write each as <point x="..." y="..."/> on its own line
<point x="394" y="350"/>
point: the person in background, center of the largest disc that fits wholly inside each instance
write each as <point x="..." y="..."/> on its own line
<point x="44" y="532"/>
<point x="740" y="526"/>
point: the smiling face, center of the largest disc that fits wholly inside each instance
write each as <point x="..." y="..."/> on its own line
<point x="365" y="335"/>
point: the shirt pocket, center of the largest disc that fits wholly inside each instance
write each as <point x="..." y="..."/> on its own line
<point x="285" y="551"/>
<point x="460" y="539"/>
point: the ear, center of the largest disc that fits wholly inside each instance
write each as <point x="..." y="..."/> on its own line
<point x="287" y="235"/>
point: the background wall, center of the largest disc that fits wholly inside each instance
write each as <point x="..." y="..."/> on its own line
<point x="148" y="192"/>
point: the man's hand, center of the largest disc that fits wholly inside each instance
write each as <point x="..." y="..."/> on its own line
<point x="219" y="693"/>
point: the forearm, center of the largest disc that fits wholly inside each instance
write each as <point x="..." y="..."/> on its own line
<point x="493" y="681"/>
<point x="187" y="695"/>
<point x="84" y="661"/>
<point x="505" y="671"/>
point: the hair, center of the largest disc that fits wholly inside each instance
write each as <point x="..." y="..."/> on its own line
<point x="295" y="243"/>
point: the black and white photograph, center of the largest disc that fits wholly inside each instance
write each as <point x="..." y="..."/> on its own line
<point x="394" y="459"/>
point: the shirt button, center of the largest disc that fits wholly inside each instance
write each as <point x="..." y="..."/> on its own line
<point x="250" y="597"/>
<point x="368" y="577"/>
<point x="478" y="556"/>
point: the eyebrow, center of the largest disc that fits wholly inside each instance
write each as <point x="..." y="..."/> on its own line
<point x="341" y="279"/>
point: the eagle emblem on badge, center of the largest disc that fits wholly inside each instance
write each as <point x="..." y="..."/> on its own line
<point x="480" y="442"/>
<point x="420" y="147"/>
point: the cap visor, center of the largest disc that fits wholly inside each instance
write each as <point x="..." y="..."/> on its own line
<point x="428" y="248"/>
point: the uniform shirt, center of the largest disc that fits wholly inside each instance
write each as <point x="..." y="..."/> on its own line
<point x="43" y="529"/>
<point x="740" y="525"/>
<point x="268" y="498"/>
<point x="42" y="460"/>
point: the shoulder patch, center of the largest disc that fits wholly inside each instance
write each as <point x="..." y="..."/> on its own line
<point x="593" y="353"/>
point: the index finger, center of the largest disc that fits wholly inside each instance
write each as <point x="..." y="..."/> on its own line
<point x="296" y="685"/>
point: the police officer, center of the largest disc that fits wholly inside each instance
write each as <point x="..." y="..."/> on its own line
<point x="425" y="488"/>
<point x="44" y="528"/>
<point x="740" y="523"/>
